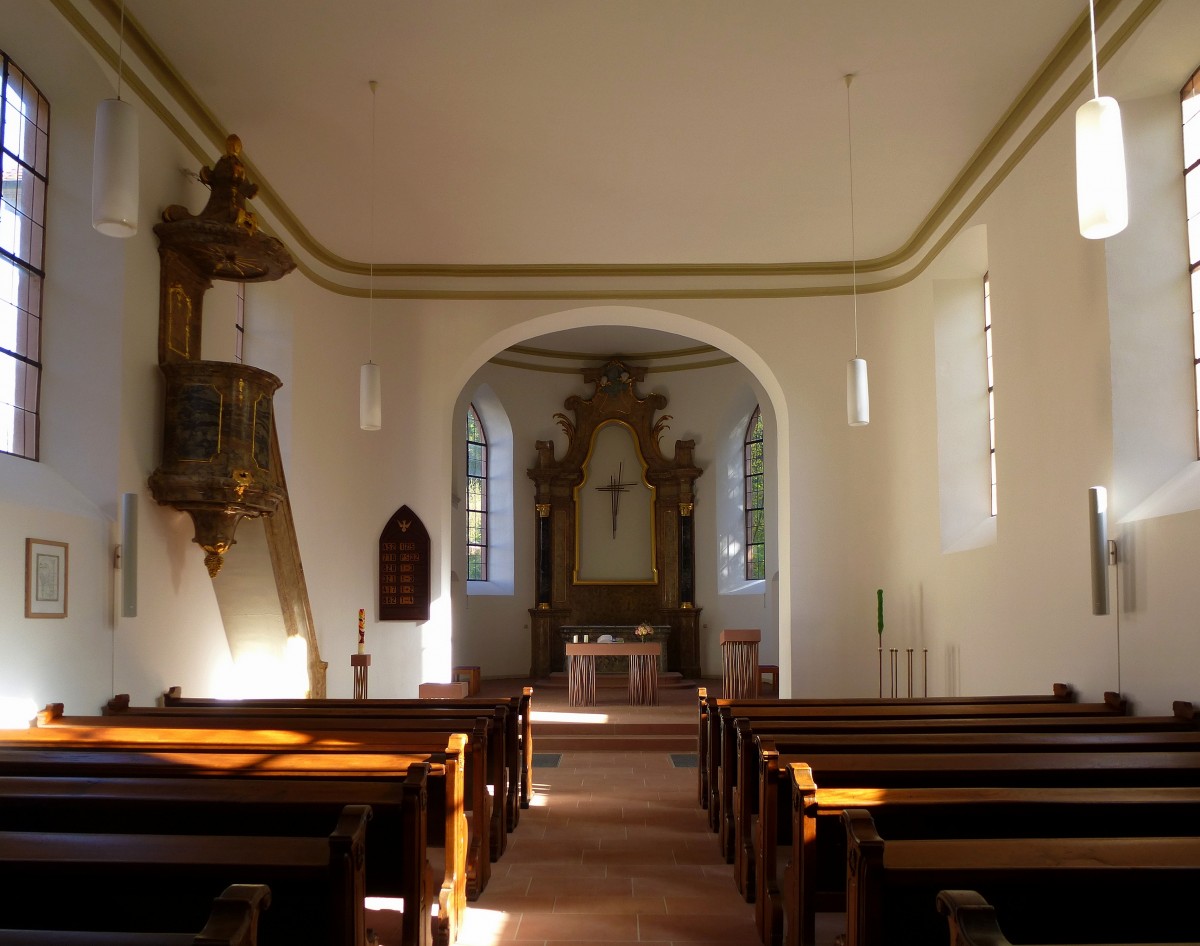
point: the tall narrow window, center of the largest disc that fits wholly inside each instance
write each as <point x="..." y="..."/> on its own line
<point x="477" y="472"/>
<point x="25" y="135"/>
<point x="991" y="382"/>
<point x="756" y="517"/>
<point x="1190" y="97"/>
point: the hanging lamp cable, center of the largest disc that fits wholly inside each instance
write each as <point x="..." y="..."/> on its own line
<point x="1095" y="63"/>
<point x="853" y="249"/>
<point x="371" y="224"/>
<point x="120" y="50"/>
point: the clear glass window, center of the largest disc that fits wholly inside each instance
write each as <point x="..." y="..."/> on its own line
<point x="756" y="516"/>
<point x="477" y="496"/>
<point x="25" y="136"/>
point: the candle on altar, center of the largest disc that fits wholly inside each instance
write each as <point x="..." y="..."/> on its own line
<point x="879" y="595"/>
<point x="362" y="629"/>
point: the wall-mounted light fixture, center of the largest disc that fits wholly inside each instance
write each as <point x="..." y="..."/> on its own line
<point x="1101" y="552"/>
<point x="129" y="556"/>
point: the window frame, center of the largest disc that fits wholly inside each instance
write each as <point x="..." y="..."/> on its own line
<point x="1189" y="96"/>
<point x="754" y="497"/>
<point x="24" y="252"/>
<point x="476" y="524"/>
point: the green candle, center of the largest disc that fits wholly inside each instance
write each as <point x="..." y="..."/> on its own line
<point x="879" y="595"/>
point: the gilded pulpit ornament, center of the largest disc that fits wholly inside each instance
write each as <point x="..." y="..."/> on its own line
<point x="218" y="421"/>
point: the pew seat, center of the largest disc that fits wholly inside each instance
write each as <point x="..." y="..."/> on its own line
<point x="233" y="921"/>
<point x="1129" y="885"/>
<point x="972" y="920"/>
<point x="79" y="880"/>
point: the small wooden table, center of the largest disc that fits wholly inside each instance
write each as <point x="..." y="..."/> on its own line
<point x="643" y="671"/>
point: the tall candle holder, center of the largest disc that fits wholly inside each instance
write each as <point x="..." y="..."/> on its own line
<point x="360" y="664"/>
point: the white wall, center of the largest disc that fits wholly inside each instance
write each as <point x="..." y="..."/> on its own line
<point x="858" y="508"/>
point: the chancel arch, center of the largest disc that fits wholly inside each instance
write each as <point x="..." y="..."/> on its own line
<point x="495" y="632"/>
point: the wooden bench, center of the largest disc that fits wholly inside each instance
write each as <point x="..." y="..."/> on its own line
<point x="745" y="798"/>
<point x="715" y="715"/>
<point x="349" y="770"/>
<point x="77" y="880"/>
<point x="123" y="732"/>
<point x="520" y="726"/>
<point x="913" y="770"/>
<point x="815" y="878"/>
<point x="397" y="864"/>
<point x="1130" y="885"/>
<point x="972" y="920"/>
<point x="722" y="741"/>
<point x="488" y="744"/>
<point x="233" y="921"/>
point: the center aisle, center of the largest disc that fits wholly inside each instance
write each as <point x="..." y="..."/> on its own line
<point x="614" y="850"/>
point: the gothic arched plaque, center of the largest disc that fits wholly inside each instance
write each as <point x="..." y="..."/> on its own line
<point x="404" y="568"/>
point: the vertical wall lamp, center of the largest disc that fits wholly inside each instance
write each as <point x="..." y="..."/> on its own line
<point x="370" y="395"/>
<point x="115" y="159"/>
<point x="129" y="566"/>
<point x="858" y="401"/>
<point x="1100" y="158"/>
<point x="1098" y="547"/>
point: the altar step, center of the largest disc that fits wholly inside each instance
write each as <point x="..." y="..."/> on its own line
<point x="671" y="679"/>
<point x="614" y="737"/>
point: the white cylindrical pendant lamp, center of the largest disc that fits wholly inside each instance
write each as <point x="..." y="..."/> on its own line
<point x="370" y="398"/>
<point x="1098" y="547"/>
<point x="115" y="169"/>
<point x="858" y="401"/>
<point x="1100" y="169"/>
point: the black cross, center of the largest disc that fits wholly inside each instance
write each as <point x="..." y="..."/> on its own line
<point x="615" y="488"/>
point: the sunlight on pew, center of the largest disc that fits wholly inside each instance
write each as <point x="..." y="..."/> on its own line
<point x="17" y="712"/>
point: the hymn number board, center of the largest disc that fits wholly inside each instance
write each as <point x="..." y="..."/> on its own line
<point x="404" y="588"/>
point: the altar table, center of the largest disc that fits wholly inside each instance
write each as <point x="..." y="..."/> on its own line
<point x="643" y="671"/>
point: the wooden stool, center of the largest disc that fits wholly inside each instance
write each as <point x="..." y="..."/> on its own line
<point x="772" y="671"/>
<point x="471" y="674"/>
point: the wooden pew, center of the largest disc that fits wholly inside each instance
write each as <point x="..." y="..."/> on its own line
<point x="520" y="724"/>
<point x="1060" y="693"/>
<point x="77" y="879"/>
<point x="349" y="770"/>
<point x="233" y="921"/>
<point x="121" y="732"/>
<point x="719" y="742"/>
<point x="396" y="853"/>
<point x="972" y="920"/>
<point x="815" y="877"/>
<point x="744" y="799"/>
<point x="485" y="745"/>
<point x="723" y="762"/>
<point x="914" y="770"/>
<point x="1128" y="884"/>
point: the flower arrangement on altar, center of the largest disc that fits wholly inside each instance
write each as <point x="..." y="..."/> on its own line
<point x="643" y="631"/>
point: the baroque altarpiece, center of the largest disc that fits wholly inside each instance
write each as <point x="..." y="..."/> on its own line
<point x="615" y="540"/>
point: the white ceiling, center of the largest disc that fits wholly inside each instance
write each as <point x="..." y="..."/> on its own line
<point x="624" y="132"/>
<point x="607" y="131"/>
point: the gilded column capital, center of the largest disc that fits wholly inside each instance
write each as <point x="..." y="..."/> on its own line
<point x="543" y="510"/>
<point x="685" y="509"/>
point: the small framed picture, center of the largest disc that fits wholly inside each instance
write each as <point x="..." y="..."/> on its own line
<point x="45" y="579"/>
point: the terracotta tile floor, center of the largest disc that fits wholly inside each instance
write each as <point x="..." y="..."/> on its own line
<point x="615" y="849"/>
